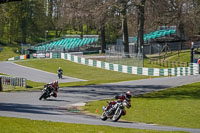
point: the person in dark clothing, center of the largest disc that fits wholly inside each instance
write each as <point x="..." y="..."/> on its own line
<point x="60" y="72"/>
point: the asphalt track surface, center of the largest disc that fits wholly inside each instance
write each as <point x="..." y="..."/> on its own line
<point x="61" y="109"/>
<point x="16" y="70"/>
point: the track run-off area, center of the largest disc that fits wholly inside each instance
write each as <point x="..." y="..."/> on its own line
<point x="60" y="109"/>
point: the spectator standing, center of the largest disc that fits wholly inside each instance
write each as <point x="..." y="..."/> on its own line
<point x="198" y="62"/>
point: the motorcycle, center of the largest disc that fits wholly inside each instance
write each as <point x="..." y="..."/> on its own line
<point x="46" y="92"/>
<point x="114" y="110"/>
<point x="60" y="75"/>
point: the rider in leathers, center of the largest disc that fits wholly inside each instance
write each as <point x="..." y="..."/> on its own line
<point x="120" y="98"/>
<point x="126" y="97"/>
<point x="54" y="85"/>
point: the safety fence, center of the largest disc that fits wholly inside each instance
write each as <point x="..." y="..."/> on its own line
<point x="192" y="69"/>
<point x="168" y="63"/>
<point x="13" y="81"/>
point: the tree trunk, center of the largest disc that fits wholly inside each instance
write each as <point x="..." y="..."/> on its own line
<point x="141" y="20"/>
<point x="58" y="32"/>
<point x="51" y="8"/>
<point x="23" y="28"/>
<point x="182" y="35"/>
<point x="125" y="32"/>
<point x="103" y="39"/>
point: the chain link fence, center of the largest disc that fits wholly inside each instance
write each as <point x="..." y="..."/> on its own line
<point x="115" y="54"/>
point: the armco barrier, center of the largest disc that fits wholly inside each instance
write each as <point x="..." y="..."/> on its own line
<point x="13" y="81"/>
<point x="193" y="69"/>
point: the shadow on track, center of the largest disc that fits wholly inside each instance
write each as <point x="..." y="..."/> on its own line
<point x="25" y="108"/>
<point x="56" y="100"/>
<point x="112" y="90"/>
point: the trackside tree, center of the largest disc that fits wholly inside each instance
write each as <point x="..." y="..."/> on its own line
<point x="26" y="21"/>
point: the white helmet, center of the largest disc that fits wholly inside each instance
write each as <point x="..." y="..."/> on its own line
<point x="55" y="82"/>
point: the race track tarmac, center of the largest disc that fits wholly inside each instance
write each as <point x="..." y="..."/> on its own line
<point x="32" y="74"/>
<point x="61" y="109"/>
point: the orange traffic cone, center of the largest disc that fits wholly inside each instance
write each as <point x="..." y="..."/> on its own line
<point x="150" y="77"/>
<point x="96" y="110"/>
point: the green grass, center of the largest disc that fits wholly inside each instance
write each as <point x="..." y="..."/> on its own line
<point x="3" y="74"/>
<point x="18" y="125"/>
<point x="184" y="56"/>
<point x="92" y="74"/>
<point x="178" y="106"/>
<point x="147" y="64"/>
<point x="32" y="84"/>
<point x="7" y="53"/>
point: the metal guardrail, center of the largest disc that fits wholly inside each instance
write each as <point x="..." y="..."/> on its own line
<point x="13" y="81"/>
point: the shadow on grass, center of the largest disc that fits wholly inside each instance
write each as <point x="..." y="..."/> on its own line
<point x="28" y="86"/>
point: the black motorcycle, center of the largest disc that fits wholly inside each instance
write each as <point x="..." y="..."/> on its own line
<point x="60" y="74"/>
<point x="46" y="92"/>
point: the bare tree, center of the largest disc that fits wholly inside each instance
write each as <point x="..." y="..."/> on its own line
<point x="141" y="19"/>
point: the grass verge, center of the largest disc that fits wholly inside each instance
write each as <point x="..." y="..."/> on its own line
<point x="18" y="125"/>
<point x="7" y="52"/>
<point x="178" y="106"/>
<point x="92" y="74"/>
<point x="183" y="56"/>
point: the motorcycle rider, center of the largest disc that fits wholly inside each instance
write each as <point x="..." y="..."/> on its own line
<point x="54" y="85"/>
<point x="60" y="71"/>
<point x="127" y="96"/>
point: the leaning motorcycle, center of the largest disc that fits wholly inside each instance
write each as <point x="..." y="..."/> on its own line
<point x="114" y="110"/>
<point x="46" y="92"/>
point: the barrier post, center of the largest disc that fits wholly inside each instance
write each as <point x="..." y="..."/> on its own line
<point x="1" y="85"/>
<point x="24" y="82"/>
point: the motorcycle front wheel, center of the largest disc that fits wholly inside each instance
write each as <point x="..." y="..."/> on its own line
<point x="103" y="116"/>
<point x="43" y="96"/>
<point x="117" y="115"/>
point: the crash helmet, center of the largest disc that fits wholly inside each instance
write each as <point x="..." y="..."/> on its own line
<point x="128" y="94"/>
<point x="59" y="67"/>
<point x="55" y="82"/>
